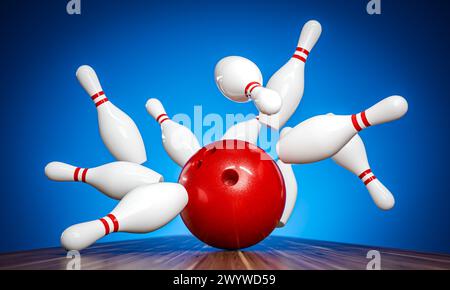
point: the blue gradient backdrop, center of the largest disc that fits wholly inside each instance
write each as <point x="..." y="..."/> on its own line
<point x="168" y="49"/>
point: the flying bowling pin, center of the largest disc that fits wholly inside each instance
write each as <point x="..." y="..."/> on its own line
<point x="178" y="141"/>
<point x="322" y="136"/>
<point x="113" y="179"/>
<point x="240" y="80"/>
<point x="245" y="131"/>
<point x="353" y="157"/>
<point x="290" y="183"/>
<point x="118" y="131"/>
<point x="144" y="209"/>
<point x="289" y="80"/>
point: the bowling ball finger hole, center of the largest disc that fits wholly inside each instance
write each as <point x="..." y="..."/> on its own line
<point x="230" y="177"/>
<point x="199" y="164"/>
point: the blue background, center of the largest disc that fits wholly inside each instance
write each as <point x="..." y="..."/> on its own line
<point x="168" y="49"/>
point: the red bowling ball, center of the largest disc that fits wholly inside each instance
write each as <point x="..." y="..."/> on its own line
<point x="236" y="194"/>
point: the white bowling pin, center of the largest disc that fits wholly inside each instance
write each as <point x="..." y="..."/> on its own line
<point x="240" y="80"/>
<point x="178" y="141"/>
<point x="246" y="131"/>
<point x="289" y="80"/>
<point x="290" y="183"/>
<point x="353" y="157"/>
<point x="321" y="137"/>
<point x="113" y="179"/>
<point x="118" y="131"/>
<point x="142" y="210"/>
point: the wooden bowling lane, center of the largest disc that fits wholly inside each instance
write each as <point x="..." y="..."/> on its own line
<point x="186" y="252"/>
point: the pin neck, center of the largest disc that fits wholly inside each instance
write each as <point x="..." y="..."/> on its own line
<point x="110" y="222"/>
<point x="99" y="98"/>
<point x="360" y="121"/>
<point x="301" y="54"/>
<point x="250" y="87"/>
<point x="80" y="177"/>
<point x="161" y="118"/>
<point x="367" y="176"/>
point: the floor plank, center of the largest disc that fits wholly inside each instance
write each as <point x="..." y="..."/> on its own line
<point x="185" y="252"/>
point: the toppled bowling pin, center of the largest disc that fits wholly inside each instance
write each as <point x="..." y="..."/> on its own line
<point x="118" y="131"/>
<point x="322" y="136"/>
<point x="178" y="141"/>
<point x="353" y="157"/>
<point x="113" y="179"/>
<point x="142" y="210"/>
<point x="289" y="80"/>
<point x="240" y="80"/>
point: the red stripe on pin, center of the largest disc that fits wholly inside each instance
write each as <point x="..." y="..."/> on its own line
<point x="101" y="102"/>
<point x="106" y="225"/>
<point x="83" y="175"/>
<point x="249" y="88"/>
<point x="95" y="96"/>
<point x="369" y="180"/>
<point x="301" y="49"/>
<point x="75" y="174"/>
<point x="114" y="221"/>
<point x="364" y="173"/>
<point x="355" y="123"/>
<point x="364" y="119"/>
<point x="299" y="57"/>
<point x="161" y="117"/>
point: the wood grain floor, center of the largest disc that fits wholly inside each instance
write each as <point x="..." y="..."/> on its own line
<point x="185" y="252"/>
